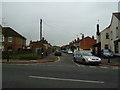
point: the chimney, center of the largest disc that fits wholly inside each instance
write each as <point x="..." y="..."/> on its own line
<point x="40" y="29"/>
<point x="98" y="32"/>
<point x="82" y="36"/>
<point x="30" y="41"/>
<point x="78" y="39"/>
<point x="75" y="40"/>
<point x="92" y="37"/>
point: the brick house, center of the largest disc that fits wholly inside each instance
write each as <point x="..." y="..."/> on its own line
<point x="86" y="43"/>
<point x="12" y="41"/>
<point x="42" y="46"/>
<point x="34" y="46"/>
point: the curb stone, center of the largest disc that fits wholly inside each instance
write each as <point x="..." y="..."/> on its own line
<point x="30" y="62"/>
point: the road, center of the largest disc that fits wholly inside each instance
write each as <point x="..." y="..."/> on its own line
<point x="61" y="74"/>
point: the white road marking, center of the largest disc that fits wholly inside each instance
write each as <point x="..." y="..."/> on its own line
<point x="77" y="64"/>
<point x="66" y="79"/>
<point x="92" y="66"/>
<point x="103" y="67"/>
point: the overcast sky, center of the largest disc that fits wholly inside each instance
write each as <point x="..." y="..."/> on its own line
<point x="62" y="21"/>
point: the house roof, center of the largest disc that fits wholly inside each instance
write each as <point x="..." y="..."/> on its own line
<point x="87" y="38"/>
<point x="106" y="28"/>
<point x="97" y="44"/>
<point x="7" y="31"/>
<point x="117" y="14"/>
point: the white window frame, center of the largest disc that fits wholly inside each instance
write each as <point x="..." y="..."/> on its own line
<point x="10" y="39"/>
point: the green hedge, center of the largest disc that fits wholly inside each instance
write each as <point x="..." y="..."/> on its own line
<point x="28" y="56"/>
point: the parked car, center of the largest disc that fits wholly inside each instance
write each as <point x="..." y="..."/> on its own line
<point x="107" y="53"/>
<point x="64" y="51"/>
<point x="86" y="57"/>
<point x="58" y="53"/>
<point x="69" y="52"/>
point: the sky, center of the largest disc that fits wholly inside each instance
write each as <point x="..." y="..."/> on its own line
<point x="62" y="21"/>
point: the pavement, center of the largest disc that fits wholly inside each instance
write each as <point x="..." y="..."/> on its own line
<point x="111" y="62"/>
<point x="51" y="58"/>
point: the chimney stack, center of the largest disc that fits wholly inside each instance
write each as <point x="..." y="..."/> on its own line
<point x="92" y="37"/>
<point x="98" y="32"/>
<point x="40" y="29"/>
<point x="82" y="36"/>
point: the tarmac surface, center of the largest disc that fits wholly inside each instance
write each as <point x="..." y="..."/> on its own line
<point x="51" y="58"/>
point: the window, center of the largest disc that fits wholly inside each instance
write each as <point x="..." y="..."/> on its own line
<point x="111" y="35"/>
<point x="1" y="39"/>
<point x="107" y="35"/>
<point x="10" y="39"/>
<point x="116" y="27"/>
<point x="116" y="47"/>
<point x="106" y="46"/>
<point x="1" y="47"/>
<point x="117" y="33"/>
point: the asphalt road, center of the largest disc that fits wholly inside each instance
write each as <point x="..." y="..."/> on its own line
<point x="61" y="74"/>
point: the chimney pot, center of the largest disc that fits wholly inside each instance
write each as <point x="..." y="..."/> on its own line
<point x="92" y="37"/>
<point x="98" y="32"/>
<point x="82" y="36"/>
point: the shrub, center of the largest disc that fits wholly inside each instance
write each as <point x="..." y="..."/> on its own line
<point x="27" y="56"/>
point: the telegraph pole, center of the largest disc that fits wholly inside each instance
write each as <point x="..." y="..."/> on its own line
<point x="40" y="29"/>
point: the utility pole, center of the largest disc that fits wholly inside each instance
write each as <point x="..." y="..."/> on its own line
<point x="40" y="29"/>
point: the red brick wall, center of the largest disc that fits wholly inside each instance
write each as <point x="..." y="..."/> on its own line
<point x="86" y="43"/>
<point x="35" y="45"/>
<point x="15" y="44"/>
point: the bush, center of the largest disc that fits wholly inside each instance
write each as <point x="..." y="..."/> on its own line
<point x="27" y="56"/>
<point x="6" y="53"/>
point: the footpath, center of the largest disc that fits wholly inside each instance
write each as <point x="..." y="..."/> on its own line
<point x="51" y="58"/>
<point x="111" y="62"/>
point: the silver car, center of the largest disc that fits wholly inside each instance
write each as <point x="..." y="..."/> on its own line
<point x="107" y="53"/>
<point x="86" y="57"/>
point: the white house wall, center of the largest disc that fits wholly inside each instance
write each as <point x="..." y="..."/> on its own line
<point x="119" y="37"/>
<point x="113" y="33"/>
<point x="103" y="38"/>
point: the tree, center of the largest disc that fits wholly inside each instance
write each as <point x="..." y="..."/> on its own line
<point x="72" y="48"/>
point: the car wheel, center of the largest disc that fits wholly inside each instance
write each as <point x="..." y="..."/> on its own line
<point x="83" y="61"/>
<point x="74" y="59"/>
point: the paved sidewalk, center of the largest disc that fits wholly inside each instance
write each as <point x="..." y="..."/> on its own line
<point x="49" y="58"/>
<point x="113" y="61"/>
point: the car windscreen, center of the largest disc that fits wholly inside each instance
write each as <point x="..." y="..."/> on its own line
<point x="86" y="54"/>
<point x="106" y="51"/>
